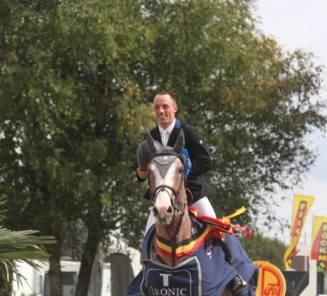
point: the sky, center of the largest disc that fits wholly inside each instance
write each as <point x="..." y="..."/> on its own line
<point x="302" y="24"/>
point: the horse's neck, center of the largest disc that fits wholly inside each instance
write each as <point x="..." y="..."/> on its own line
<point x="178" y="231"/>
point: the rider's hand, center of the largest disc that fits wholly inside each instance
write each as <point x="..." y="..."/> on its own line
<point x="141" y="174"/>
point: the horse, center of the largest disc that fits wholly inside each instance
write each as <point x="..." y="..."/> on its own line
<point x="181" y="254"/>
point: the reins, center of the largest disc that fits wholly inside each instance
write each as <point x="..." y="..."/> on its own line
<point x="172" y="235"/>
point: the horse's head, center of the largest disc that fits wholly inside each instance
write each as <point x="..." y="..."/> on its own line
<point x="166" y="171"/>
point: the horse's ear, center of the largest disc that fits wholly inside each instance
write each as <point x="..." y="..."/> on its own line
<point x="180" y="142"/>
<point x="153" y="146"/>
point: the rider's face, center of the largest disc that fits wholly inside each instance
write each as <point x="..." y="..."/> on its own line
<point x="164" y="109"/>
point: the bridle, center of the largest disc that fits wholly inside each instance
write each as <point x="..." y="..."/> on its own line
<point x="174" y="202"/>
<point x="162" y="158"/>
<point x="179" y="208"/>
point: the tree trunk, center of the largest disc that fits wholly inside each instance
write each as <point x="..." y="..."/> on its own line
<point x="88" y="256"/>
<point x="55" y="271"/>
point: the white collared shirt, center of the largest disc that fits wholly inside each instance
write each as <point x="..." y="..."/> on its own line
<point x="165" y="133"/>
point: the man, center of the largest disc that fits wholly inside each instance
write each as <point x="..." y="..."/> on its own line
<point x="166" y="132"/>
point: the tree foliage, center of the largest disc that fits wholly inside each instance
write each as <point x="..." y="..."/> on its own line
<point x="250" y="98"/>
<point x="69" y="109"/>
<point x="77" y="79"/>
<point x="261" y="248"/>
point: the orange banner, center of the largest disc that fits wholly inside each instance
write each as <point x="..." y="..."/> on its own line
<point x="301" y="208"/>
<point x="319" y="241"/>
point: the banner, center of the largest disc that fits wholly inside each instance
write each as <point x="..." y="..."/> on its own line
<point x="301" y="208"/>
<point x="319" y="241"/>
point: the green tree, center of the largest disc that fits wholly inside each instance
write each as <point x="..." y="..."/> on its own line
<point x="76" y="82"/>
<point x="71" y="114"/>
<point x="261" y="248"/>
<point x="251" y="99"/>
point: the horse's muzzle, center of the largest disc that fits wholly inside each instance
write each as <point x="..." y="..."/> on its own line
<point x="164" y="215"/>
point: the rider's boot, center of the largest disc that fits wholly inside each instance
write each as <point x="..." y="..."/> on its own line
<point x="237" y="284"/>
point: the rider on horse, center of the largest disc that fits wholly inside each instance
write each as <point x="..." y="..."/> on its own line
<point x="181" y="253"/>
<point x="166" y="133"/>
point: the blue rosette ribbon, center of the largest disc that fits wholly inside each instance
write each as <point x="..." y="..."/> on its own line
<point x="188" y="164"/>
